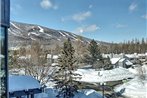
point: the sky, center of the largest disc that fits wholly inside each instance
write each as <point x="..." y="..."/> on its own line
<point x="103" y="20"/>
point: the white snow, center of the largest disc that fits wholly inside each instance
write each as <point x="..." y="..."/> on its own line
<point x="24" y="57"/>
<point x="47" y="34"/>
<point x="14" y="48"/>
<point x="66" y="33"/>
<point x="58" y="39"/>
<point x="114" y="60"/>
<point x="128" y="62"/>
<point x="41" y="29"/>
<point x="12" y="32"/>
<point x="34" y="33"/>
<point x="15" y="26"/>
<point x="33" y="38"/>
<point x="54" y="64"/>
<point x="62" y="34"/>
<point x="54" y="56"/>
<point x="20" y="82"/>
<point x="93" y="76"/>
<point x="139" y="69"/>
<point x="135" y="88"/>
<point x="131" y="55"/>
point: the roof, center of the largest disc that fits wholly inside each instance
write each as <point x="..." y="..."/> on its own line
<point x="52" y="56"/>
<point x="114" y="60"/>
<point x="131" y="55"/>
<point x="22" y="82"/>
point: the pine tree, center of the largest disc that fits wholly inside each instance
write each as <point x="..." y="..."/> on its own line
<point x="107" y="63"/>
<point x="65" y="76"/>
<point x="94" y="56"/>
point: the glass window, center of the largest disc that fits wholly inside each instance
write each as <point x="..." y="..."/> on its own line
<point x="3" y="67"/>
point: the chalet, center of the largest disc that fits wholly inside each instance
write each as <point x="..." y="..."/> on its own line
<point x="121" y="62"/>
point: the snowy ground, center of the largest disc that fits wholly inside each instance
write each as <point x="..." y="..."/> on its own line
<point x="93" y="76"/>
<point x="137" y="87"/>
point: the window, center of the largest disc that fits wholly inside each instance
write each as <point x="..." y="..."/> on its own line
<point x="3" y="67"/>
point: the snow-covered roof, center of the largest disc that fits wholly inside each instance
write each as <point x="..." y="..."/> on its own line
<point x="128" y="62"/>
<point x="18" y="83"/>
<point x="114" y="60"/>
<point x="54" y="56"/>
<point x="131" y="55"/>
<point x="141" y="55"/>
<point x="93" y="76"/>
<point x="84" y="93"/>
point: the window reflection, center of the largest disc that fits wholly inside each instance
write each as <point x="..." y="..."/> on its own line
<point x="2" y="66"/>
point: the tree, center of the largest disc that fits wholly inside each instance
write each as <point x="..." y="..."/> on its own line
<point x="12" y="59"/>
<point x="34" y="63"/>
<point x="64" y="76"/>
<point x="107" y="63"/>
<point x="80" y="50"/>
<point x="94" y="56"/>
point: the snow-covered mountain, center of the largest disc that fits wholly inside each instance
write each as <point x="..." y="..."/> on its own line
<point x="22" y="32"/>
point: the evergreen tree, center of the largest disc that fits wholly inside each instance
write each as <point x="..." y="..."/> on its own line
<point x="65" y="76"/>
<point x="94" y="57"/>
<point x="107" y="64"/>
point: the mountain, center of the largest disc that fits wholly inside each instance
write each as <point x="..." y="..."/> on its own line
<point x="20" y="33"/>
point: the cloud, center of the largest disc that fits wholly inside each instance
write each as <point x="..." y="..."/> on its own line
<point x="120" y="26"/>
<point x="133" y="7"/>
<point x="81" y="16"/>
<point x="90" y="6"/>
<point x="90" y="28"/>
<point x="144" y="16"/>
<point x="47" y="4"/>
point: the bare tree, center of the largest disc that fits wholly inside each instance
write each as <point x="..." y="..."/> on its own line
<point x="35" y="63"/>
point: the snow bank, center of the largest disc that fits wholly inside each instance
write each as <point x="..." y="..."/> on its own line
<point x="93" y="76"/>
<point x="135" y="88"/>
<point x="139" y="70"/>
<point x="17" y="83"/>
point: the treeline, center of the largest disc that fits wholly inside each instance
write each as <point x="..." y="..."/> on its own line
<point x="129" y="47"/>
